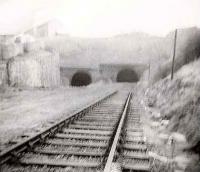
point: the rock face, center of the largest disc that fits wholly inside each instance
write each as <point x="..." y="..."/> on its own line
<point x="28" y="65"/>
<point x="50" y="67"/>
<point x="35" y="69"/>
<point x="11" y="50"/>
<point x="3" y="73"/>
<point x="24" y="72"/>
<point x="33" y="46"/>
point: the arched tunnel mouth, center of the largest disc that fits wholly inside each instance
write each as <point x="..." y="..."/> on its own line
<point x="127" y="75"/>
<point x="81" y="79"/>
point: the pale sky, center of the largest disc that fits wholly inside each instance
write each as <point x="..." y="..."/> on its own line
<point x="101" y="18"/>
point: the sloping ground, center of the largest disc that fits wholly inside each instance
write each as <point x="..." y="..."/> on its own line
<point x="28" y="111"/>
<point x="136" y="47"/>
<point x="128" y="48"/>
<point x="187" y="50"/>
<point x="179" y="102"/>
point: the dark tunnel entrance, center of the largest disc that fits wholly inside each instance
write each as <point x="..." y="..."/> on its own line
<point x="127" y="75"/>
<point x="81" y="79"/>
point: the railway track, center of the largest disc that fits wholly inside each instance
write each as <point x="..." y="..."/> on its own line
<point x="93" y="139"/>
<point x="129" y="152"/>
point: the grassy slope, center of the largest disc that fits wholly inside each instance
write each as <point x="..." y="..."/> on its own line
<point x="187" y="50"/>
<point x="179" y="101"/>
<point x="129" y="48"/>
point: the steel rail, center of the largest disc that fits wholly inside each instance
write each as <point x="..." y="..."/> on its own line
<point x="111" y="155"/>
<point x="30" y="142"/>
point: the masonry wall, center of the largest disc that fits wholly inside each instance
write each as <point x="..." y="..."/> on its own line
<point x="110" y="71"/>
<point x="67" y="74"/>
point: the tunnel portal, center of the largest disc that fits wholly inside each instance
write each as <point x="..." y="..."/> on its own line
<point x="81" y="79"/>
<point x="127" y="75"/>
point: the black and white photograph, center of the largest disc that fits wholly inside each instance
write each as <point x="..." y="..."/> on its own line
<point x="99" y="85"/>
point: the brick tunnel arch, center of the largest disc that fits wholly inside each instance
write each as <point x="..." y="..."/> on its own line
<point x="81" y="79"/>
<point x="127" y="75"/>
